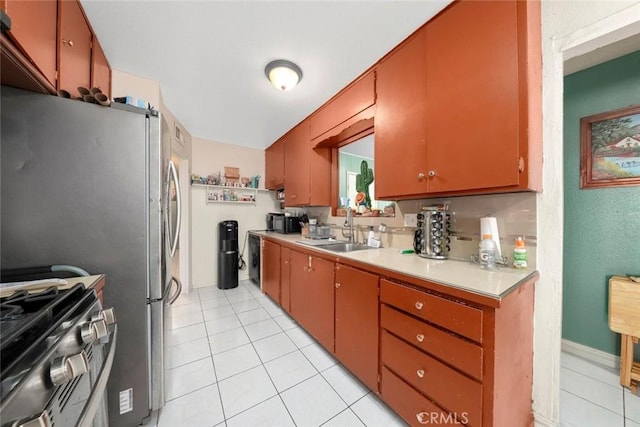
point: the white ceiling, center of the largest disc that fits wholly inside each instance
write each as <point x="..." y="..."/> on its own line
<point x="209" y="56"/>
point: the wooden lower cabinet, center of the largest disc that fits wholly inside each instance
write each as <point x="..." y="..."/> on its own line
<point x="271" y="269"/>
<point x="356" y="301"/>
<point x="311" y="295"/>
<point x="451" y="389"/>
<point x="461" y="354"/>
<point x="435" y="358"/>
<point x="285" y="291"/>
<point x="456" y="362"/>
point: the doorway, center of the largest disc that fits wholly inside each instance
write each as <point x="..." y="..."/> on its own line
<point x="563" y="39"/>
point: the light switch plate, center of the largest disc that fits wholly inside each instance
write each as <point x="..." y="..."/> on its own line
<point x="410" y="220"/>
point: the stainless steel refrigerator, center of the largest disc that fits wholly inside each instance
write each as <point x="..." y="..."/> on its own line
<point x="93" y="186"/>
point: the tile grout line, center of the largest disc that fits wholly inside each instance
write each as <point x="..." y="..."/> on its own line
<point x="591" y="377"/>
<point x="263" y="367"/>
<point x="282" y="330"/>
<point x="595" y="404"/>
<point x="215" y="372"/>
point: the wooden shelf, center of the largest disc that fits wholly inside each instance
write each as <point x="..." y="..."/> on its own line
<point x="215" y="192"/>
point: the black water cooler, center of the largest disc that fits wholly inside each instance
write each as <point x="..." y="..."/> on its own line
<point x="228" y="255"/>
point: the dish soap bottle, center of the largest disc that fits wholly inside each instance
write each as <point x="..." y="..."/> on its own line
<point x="519" y="254"/>
<point x="487" y="252"/>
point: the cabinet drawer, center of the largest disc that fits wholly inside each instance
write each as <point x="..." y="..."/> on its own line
<point x="448" y="388"/>
<point x="456" y="317"/>
<point x="416" y="409"/>
<point x="457" y="352"/>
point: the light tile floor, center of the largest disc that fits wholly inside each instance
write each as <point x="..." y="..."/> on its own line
<point x="234" y="358"/>
<point x="591" y="395"/>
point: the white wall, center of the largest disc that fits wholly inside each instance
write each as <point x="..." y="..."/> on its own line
<point x="210" y="157"/>
<point x="568" y="28"/>
<point x="126" y="84"/>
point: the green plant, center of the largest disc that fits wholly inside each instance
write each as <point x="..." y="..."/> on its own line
<point x="363" y="180"/>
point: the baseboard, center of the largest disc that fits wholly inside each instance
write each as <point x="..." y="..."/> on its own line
<point x="591" y="354"/>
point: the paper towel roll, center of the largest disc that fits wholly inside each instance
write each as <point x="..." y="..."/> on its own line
<point x="489" y="225"/>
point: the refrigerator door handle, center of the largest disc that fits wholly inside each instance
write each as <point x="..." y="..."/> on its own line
<point x="178" y="290"/>
<point x="174" y="234"/>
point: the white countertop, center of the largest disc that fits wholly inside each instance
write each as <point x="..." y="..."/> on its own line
<point x="457" y="274"/>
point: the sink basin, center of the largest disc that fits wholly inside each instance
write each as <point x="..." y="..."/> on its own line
<point x="346" y="247"/>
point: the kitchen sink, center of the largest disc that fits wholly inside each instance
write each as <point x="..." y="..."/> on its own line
<point x="346" y="247"/>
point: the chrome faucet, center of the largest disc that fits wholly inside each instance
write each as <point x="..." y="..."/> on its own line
<point x="349" y="223"/>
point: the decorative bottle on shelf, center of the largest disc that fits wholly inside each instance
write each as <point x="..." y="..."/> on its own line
<point x="520" y="254"/>
<point x="487" y="252"/>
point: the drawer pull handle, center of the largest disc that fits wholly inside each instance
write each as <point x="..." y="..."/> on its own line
<point x="420" y="373"/>
<point x="423" y="417"/>
<point x="420" y="337"/>
<point x="419" y="305"/>
<point x="337" y="285"/>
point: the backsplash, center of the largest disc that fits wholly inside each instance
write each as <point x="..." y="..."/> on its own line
<point x="515" y="213"/>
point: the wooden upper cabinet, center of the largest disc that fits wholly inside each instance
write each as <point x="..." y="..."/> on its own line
<point x="100" y="70"/>
<point x="458" y="106"/>
<point x="74" y="48"/>
<point x="355" y="98"/>
<point x="307" y="170"/>
<point x="473" y="99"/>
<point x="274" y="165"/>
<point x="33" y="30"/>
<point x="296" y="165"/>
<point x="400" y="127"/>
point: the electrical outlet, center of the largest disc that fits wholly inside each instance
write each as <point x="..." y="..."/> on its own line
<point x="410" y="220"/>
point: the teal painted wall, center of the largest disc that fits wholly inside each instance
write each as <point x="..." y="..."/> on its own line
<point x="601" y="226"/>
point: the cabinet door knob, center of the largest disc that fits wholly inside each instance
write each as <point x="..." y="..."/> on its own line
<point x="420" y="337"/>
<point x="419" y="305"/>
<point x="423" y="417"/>
<point x="420" y="175"/>
<point x="432" y="173"/>
<point x="68" y="42"/>
<point x="337" y="285"/>
<point x="420" y="373"/>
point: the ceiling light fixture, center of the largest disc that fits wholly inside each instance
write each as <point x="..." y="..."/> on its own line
<point x="283" y="74"/>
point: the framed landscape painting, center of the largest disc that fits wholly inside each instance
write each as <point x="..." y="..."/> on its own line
<point x="610" y="148"/>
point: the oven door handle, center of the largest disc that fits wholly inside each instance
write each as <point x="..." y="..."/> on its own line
<point x="90" y="409"/>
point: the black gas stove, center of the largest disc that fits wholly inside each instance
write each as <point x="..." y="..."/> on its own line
<point x="56" y="353"/>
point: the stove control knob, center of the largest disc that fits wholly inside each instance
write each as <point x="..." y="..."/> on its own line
<point x="107" y="314"/>
<point x="94" y="330"/>
<point x="66" y="368"/>
<point x="43" y="420"/>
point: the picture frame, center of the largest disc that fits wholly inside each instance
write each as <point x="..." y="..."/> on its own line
<point x="610" y="148"/>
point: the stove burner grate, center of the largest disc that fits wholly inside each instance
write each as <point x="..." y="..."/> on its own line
<point x="28" y="319"/>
